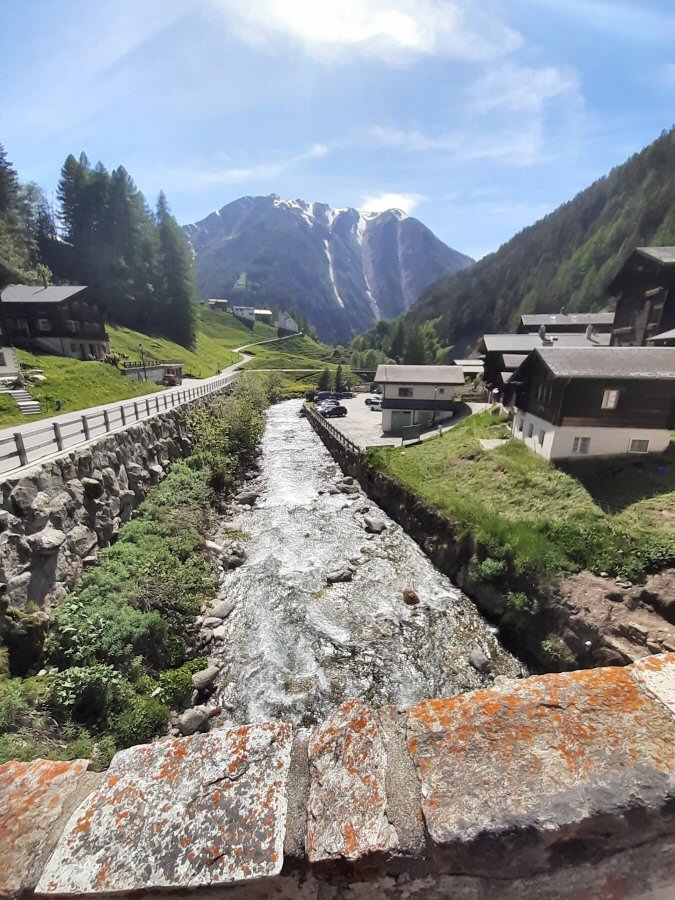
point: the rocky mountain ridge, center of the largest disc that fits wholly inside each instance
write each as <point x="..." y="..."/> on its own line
<point x="341" y="268"/>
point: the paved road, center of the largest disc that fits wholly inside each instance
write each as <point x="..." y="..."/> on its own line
<point x="364" y="427"/>
<point x="39" y="436"/>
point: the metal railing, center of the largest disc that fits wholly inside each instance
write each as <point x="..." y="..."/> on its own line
<point x="150" y="363"/>
<point x="29" y="447"/>
<point x="324" y="425"/>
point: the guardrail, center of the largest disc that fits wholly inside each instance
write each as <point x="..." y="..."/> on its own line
<point x="150" y="363"/>
<point x="334" y="432"/>
<point x="29" y="447"/>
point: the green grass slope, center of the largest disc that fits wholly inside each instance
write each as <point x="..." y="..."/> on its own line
<point x="218" y="333"/>
<point x="76" y="384"/>
<point x="545" y="520"/>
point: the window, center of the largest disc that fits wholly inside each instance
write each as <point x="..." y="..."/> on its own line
<point x="405" y="392"/>
<point x="542" y="435"/>
<point x="638" y="445"/>
<point x="441" y="390"/>
<point x="519" y="424"/>
<point x="530" y="430"/>
<point x="610" y="399"/>
<point x="21" y="325"/>
<point x="44" y="325"/>
<point x="580" y="445"/>
<point x="71" y="325"/>
<point x="544" y="392"/>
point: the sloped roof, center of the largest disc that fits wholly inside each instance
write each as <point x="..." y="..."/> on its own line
<point x="664" y="336"/>
<point x="513" y="360"/>
<point x="609" y="362"/>
<point x="34" y="293"/>
<point x="419" y="375"/>
<point x="523" y="343"/>
<point x="664" y="255"/>
<point x="552" y="319"/>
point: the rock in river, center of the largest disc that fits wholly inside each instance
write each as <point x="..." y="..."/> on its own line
<point x="374" y="526"/>
<point x="480" y="661"/>
<point x="410" y="596"/>
<point x="205" y="678"/>
<point x="339" y="575"/>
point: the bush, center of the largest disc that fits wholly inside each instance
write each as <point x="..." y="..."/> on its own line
<point x="12" y="702"/>
<point x="139" y="721"/>
<point x="87" y="693"/>
<point x="519" y="603"/>
<point x="175" y="683"/>
<point x="488" y="569"/>
<point x="558" y="651"/>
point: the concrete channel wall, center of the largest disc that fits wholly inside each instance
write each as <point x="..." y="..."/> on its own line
<point x="557" y="786"/>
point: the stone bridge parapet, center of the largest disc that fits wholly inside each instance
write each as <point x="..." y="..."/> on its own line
<point x="555" y="786"/>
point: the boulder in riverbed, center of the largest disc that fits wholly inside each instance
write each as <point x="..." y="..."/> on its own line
<point x="196" y="719"/>
<point x="220" y="610"/>
<point x="480" y="661"/>
<point x="205" y="678"/>
<point x="410" y="596"/>
<point x="247" y="498"/>
<point x="373" y="525"/>
<point x="339" y="575"/>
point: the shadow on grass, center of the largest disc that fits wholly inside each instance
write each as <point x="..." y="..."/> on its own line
<point x="616" y="483"/>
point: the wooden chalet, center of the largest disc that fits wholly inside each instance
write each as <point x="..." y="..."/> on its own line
<point x="60" y="319"/>
<point x="594" y="401"/>
<point x="567" y="323"/>
<point x="645" y="292"/>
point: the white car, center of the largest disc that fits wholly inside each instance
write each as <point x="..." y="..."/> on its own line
<point x="376" y="405"/>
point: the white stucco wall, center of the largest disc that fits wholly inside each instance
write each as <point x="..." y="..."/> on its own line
<point x="558" y="442"/>
<point x="9" y="363"/>
<point x="422" y="391"/>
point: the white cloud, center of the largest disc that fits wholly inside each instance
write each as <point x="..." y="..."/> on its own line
<point x="512" y="88"/>
<point x="197" y="175"/>
<point x="394" y="30"/>
<point x="382" y="202"/>
<point x="513" y="145"/>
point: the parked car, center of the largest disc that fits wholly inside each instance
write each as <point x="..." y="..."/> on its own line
<point x="170" y="380"/>
<point x="330" y="412"/>
<point x="324" y="404"/>
<point x="376" y="405"/>
<point x="324" y="395"/>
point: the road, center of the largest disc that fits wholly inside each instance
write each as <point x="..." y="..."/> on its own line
<point x="39" y="438"/>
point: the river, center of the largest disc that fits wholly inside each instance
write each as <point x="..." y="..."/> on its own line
<point x="295" y="646"/>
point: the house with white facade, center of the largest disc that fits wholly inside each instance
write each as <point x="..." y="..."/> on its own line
<point x="594" y="401"/>
<point x="286" y="322"/>
<point x="251" y="314"/>
<point x="418" y="395"/>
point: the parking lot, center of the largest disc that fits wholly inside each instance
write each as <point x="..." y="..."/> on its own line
<point x="364" y="427"/>
<point x="361" y="425"/>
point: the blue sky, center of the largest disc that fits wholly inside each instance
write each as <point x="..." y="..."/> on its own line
<point x="478" y="118"/>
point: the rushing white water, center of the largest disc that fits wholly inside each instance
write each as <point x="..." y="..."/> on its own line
<point x="297" y="646"/>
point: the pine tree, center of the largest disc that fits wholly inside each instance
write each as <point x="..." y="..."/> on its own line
<point x="324" y="381"/>
<point x="415" y="351"/>
<point x="178" y="280"/>
<point x="339" y="382"/>
<point x="17" y="246"/>
<point x="397" y="345"/>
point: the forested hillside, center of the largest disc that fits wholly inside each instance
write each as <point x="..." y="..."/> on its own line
<point x="565" y="260"/>
<point x="137" y="264"/>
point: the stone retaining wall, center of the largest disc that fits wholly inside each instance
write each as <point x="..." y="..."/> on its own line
<point x="556" y="786"/>
<point x="55" y="519"/>
<point x="588" y="640"/>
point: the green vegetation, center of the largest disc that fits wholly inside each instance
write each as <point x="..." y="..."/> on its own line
<point x="302" y="352"/>
<point x="534" y="519"/>
<point x="75" y="383"/>
<point x="218" y="333"/>
<point x="117" y="646"/>
<point x="567" y="259"/>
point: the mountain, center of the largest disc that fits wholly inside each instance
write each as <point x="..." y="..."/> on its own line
<point x="566" y="259"/>
<point x="340" y="268"/>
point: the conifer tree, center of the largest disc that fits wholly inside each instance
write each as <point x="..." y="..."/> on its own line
<point x="178" y="281"/>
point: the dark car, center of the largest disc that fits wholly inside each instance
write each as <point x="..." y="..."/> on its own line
<point x="324" y="395"/>
<point x="330" y="412"/>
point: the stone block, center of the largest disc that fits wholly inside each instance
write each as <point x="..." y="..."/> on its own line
<point x="36" y="799"/>
<point x="347" y="810"/>
<point x="656" y="674"/>
<point x="181" y="814"/>
<point x="544" y="761"/>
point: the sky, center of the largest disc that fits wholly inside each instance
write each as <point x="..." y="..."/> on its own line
<point x="477" y="118"/>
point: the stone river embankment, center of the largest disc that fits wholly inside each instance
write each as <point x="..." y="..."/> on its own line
<point x="592" y="621"/>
